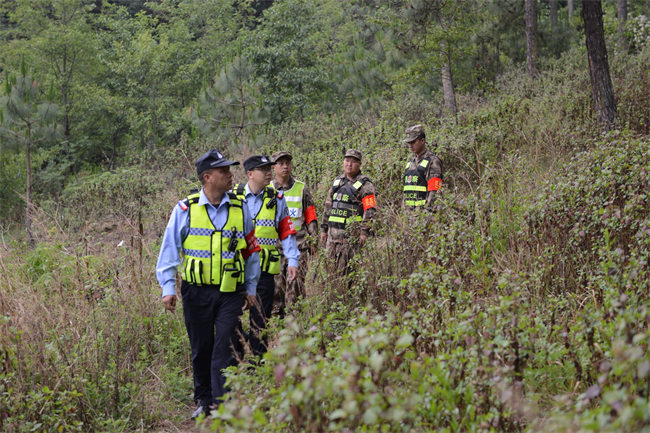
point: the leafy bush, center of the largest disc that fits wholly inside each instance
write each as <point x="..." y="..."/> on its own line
<point x="598" y="203"/>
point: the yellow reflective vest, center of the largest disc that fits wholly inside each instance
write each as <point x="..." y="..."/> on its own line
<point x="293" y="197"/>
<point x="213" y="256"/>
<point x="265" y="230"/>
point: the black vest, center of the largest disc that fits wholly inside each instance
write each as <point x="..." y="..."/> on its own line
<point x="346" y="206"/>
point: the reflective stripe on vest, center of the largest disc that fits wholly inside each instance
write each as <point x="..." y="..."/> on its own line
<point x="346" y="207"/>
<point x="211" y="255"/>
<point x="293" y="197"/>
<point x="265" y="230"/>
<point x="415" y="183"/>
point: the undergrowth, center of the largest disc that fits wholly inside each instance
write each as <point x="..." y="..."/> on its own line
<point x="521" y="303"/>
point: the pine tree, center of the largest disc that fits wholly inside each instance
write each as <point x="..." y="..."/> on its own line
<point x="28" y="117"/>
<point x="601" y="82"/>
<point x="232" y="107"/>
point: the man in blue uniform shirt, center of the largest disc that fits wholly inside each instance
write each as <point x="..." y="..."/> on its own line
<point x="272" y="222"/>
<point x="219" y="270"/>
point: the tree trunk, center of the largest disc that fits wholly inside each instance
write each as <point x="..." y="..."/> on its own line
<point x="570" y="6"/>
<point x="448" y="81"/>
<point x="531" y="37"/>
<point x="621" y="9"/>
<point x="28" y="194"/>
<point x="64" y="96"/>
<point x="601" y="83"/>
<point x="553" y="4"/>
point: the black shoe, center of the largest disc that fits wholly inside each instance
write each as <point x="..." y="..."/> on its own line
<point x="201" y="410"/>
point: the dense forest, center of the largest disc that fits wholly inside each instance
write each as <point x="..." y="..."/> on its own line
<point x="521" y="304"/>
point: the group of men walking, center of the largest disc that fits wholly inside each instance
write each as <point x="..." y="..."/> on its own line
<point x="245" y="245"/>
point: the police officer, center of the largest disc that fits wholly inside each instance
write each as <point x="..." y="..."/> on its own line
<point x="349" y="206"/>
<point x="272" y="223"/>
<point x="423" y="174"/>
<point x="303" y="215"/>
<point x="219" y="271"/>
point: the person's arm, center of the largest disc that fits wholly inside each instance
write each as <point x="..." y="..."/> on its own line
<point x="309" y="214"/>
<point x="169" y="257"/>
<point x="286" y="233"/>
<point x="434" y="181"/>
<point x="251" y="255"/>
<point x="369" y="202"/>
<point x="408" y="166"/>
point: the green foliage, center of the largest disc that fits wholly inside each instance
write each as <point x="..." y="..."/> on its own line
<point x="597" y="205"/>
<point x="12" y="185"/>
<point x="288" y="50"/>
<point x="27" y="117"/>
<point x="460" y="339"/>
<point x="629" y="85"/>
<point x="127" y="189"/>
<point x="232" y="109"/>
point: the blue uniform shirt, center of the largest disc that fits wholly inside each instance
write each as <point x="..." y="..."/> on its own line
<point x="176" y="232"/>
<point x="289" y="246"/>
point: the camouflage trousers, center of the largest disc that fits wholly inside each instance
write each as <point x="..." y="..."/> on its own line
<point x="287" y="292"/>
<point x="339" y="253"/>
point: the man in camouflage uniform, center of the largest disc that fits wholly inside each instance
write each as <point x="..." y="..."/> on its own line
<point x="303" y="215"/>
<point x="349" y="206"/>
<point x="423" y="173"/>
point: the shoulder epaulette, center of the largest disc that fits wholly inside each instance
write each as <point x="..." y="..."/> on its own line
<point x="189" y="200"/>
<point x="235" y="200"/>
<point x="240" y="189"/>
<point x="184" y="204"/>
<point x="360" y="182"/>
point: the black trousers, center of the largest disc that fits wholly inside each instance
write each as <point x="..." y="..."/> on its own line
<point x="260" y="316"/>
<point x="211" y="319"/>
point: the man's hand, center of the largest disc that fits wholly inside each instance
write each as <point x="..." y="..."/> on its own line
<point x="323" y="238"/>
<point x="292" y="273"/>
<point x="249" y="301"/>
<point x="170" y="302"/>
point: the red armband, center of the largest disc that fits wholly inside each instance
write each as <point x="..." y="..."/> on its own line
<point x="251" y="245"/>
<point x="368" y="202"/>
<point x="286" y="228"/>
<point x="310" y="214"/>
<point x="434" y="184"/>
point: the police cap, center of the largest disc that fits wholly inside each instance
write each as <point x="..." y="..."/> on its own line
<point x="212" y="159"/>
<point x="257" y="161"/>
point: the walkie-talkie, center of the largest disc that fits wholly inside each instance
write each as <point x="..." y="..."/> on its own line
<point x="232" y="246"/>
<point x="273" y="201"/>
